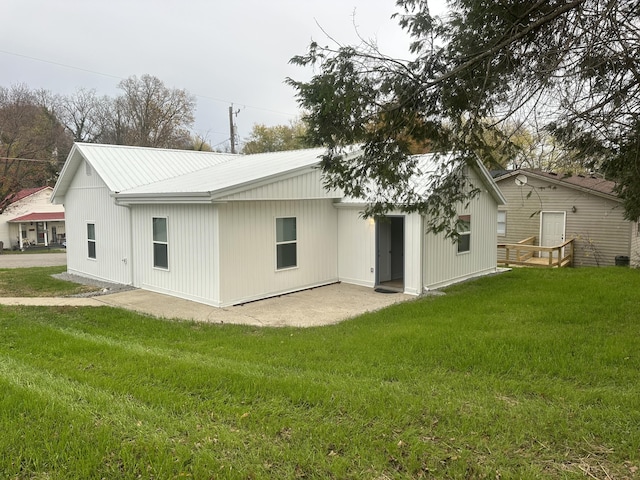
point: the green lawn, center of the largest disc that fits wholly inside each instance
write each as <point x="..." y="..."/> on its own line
<point x="37" y="282"/>
<point x="529" y="374"/>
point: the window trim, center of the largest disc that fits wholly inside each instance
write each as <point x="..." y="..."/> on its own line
<point x="91" y="241"/>
<point x="467" y="233"/>
<point x="160" y="242"/>
<point x="502" y="233"/>
<point x="286" y="242"/>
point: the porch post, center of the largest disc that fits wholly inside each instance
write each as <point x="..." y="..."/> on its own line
<point x="46" y="235"/>
<point x="20" y="235"/>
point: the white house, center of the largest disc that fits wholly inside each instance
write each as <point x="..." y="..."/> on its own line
<point x="31" y="219"/>
<point x="226" y="229"/>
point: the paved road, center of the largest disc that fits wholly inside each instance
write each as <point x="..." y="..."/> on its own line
<point x="23" y="260"/>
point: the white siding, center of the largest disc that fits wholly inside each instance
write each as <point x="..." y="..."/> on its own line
<point x="38" y="202"/>
<point x="88" y="201"/>
<point x="443" y="265"/>
<point x="304" y="186"/>
<point x="248" y="251"/>
<point x="356" y="247"/>
<point x="192" y="250"/>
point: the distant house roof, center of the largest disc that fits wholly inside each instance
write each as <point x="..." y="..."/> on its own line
<point x="587" y="183"/>
<point x="25" y="192"/>
<point x="39" y="217"/>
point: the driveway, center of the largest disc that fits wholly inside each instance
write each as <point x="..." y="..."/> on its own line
<point x="309" y="308"/>
<point x="25" y="260"/>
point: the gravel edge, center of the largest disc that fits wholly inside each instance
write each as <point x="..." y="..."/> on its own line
<point x="105" y="288"/>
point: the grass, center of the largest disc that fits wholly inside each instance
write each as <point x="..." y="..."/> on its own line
<point x="530" y="374"/>
<point x="37" y="282"/>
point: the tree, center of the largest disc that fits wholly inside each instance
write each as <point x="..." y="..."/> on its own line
<point x="277" y="138"/>
<point x="83" y="114"/>
<point x="149" y="114"/>
<point x="32" y="141"/>
<point x="571" y="65"/>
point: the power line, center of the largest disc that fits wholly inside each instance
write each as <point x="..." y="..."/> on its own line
<point x="7" y="159"/>
<point x="95" y="72"/>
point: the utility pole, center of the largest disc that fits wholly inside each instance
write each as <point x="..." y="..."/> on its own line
<point x="232" y="130"/>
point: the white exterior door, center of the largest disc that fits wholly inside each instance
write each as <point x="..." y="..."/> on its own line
<point x="551" y="229"/>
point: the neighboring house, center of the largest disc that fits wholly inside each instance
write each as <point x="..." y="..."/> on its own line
<point x="555" y="208"/>
<point x="227" y="229"/>
<point x="31" y="219"/>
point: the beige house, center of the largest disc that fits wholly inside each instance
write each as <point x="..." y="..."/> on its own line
<point x="554" y="208"/>
<point x="31" y="219"/>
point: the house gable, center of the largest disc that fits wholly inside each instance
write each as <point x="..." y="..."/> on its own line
<point x="594" y="219"/>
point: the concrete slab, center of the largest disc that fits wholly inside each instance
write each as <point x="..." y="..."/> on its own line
<point x="26" y="260"/>
<point x="51" y="301"/>
<point x="309" y="308"/>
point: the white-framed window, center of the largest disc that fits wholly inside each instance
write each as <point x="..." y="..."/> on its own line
<point x="464" y="233"/>
<point x="91" y="240"/>
<point x="286" y="243"/>
<point x="502" y="223"/>
<point x="160" y="243"/>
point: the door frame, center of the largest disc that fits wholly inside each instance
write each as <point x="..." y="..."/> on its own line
<point x="396" y="236"/>
<point x="564" y="229"/>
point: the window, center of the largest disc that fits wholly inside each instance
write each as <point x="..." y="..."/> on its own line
<point x="286" y="243"/>
<point x="502" y="222"/>
<point x="464" y="233"/>
<point x="91" y="240"/>
<point x="160" y="243"/>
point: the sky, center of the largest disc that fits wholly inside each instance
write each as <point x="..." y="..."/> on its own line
<point x="225" y="53"/>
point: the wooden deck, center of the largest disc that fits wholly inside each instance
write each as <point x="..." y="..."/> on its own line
<point x="527" y="253"/>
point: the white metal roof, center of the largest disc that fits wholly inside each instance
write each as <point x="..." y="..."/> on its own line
<point x="133" y="173"/>
<point x="429" y="167"/>
<point x="243" y="170"/>
<point x="124" y="167"/>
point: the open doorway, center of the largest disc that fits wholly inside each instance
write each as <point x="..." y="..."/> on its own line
<point x="390" y="253"/>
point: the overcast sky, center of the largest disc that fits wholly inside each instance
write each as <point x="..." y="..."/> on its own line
<point x="222" y="52"/>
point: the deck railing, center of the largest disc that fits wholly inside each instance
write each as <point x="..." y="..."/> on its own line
<point x="525" y="252"/>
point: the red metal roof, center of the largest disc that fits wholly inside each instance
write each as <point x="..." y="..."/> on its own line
<point x="39" y="217"/>
<point x="25" y="193"/>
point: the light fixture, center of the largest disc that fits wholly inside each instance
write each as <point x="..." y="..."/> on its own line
<point x="574" y="209"/>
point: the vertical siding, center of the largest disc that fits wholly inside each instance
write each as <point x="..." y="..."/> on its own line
<point x="307" y="185"/>
<point x="598" y="226"/>
<point x="88" y="200"/>
<point x="356" y="247"/>
<point x="443" y="265"/>
<point x="192" y="248"/>
<point x="248" y="251"/>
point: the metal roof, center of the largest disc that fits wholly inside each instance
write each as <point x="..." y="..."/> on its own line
<point x="243" y="170"/>
<point x="125" y="167"/>
<point x="429" y="167"/>
<point x="39" y="217"/>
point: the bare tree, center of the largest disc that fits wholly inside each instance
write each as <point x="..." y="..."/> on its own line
<point x="32" y="141"/>
<point x="83" y="114"/>
<point x="150" y="114"/>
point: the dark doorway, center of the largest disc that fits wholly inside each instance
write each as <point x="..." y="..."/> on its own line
<point x="390" y="252"/>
